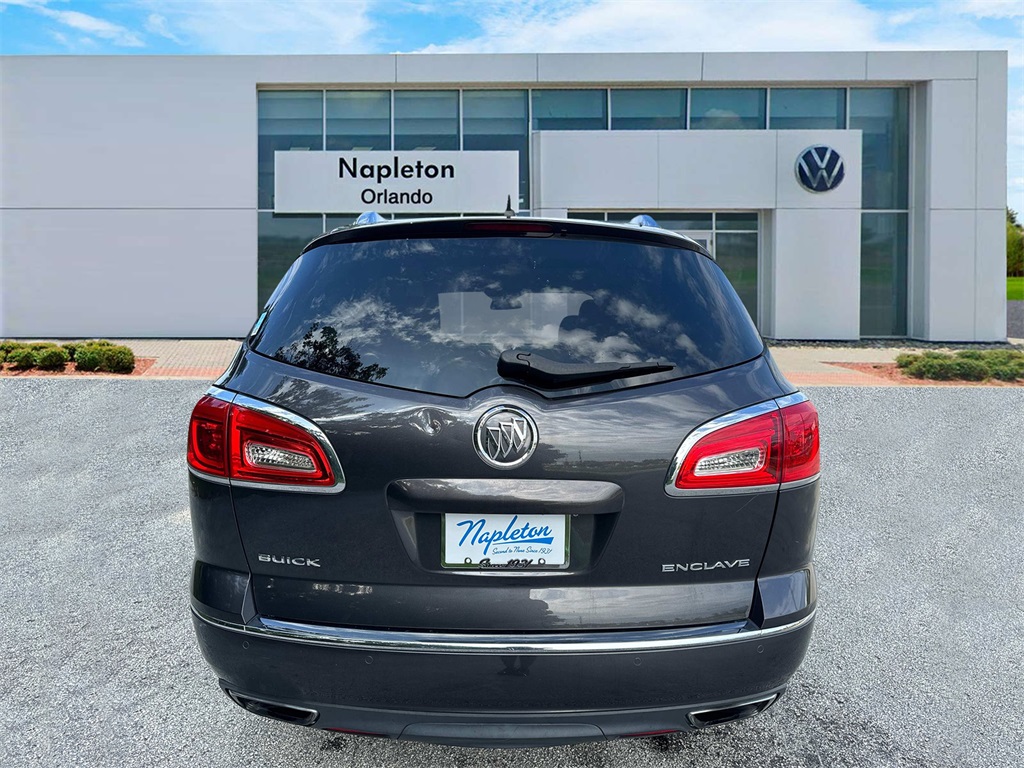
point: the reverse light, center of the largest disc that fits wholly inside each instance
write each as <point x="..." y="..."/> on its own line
<point x="255" y="443"/>
<point x="761" y="446"/>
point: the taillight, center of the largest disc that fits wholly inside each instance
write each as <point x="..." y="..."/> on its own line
<point x="801" y="458"/>
<point x="253" y="445"/>
<point x="207" y="436"/>
<point x="263" y="448"/>
<point x="743" y="454"/>
<point x="760" y="446"/>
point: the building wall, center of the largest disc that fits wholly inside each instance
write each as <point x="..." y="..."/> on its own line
<point x="815" y="238"/>
<point x="128" y="184"/>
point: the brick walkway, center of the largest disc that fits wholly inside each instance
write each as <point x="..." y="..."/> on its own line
<point x="184" y="358"/>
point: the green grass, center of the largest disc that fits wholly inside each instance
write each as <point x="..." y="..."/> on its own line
<point x="1015" y="289"/>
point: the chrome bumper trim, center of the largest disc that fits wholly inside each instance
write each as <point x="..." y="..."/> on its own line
<point x="569" y="643"/>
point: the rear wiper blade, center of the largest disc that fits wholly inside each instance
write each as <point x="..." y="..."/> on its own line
<point x="551" y="374"/>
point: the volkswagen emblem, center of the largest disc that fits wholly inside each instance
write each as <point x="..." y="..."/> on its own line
<point x="505" y="437"/>
<point x="820" y="169"/>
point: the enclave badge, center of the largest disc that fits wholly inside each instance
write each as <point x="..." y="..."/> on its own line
<point x="505" y="437"/>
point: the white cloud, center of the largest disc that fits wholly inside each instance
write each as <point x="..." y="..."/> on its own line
<point x="713" y="25"/>
<point x="95" y="26"/>
<point x="990" y="9"/>
<point x="60" y="37"/>
<point x="157" y="25"/>
<point x="662" y="25"/>
<point x="266" y="26"/>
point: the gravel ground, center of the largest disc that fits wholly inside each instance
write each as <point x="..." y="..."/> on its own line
<point x="1015" y="319"/>
<point x="916" y="658"/>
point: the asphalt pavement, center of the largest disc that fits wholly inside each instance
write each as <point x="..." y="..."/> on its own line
<point x="915" y="661"/>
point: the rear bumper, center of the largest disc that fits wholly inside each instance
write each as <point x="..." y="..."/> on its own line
<point x="502" y="690"/>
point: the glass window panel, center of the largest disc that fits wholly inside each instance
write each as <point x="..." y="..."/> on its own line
<point x="682" y="222"/>
<point x="287" y="120"/>
<point x="727" y="108"/>
<point x="883" y="274"/>
<point x="744" y="222"/>
<point x="648" y="109"/>
<point x="427" y="120"/>
<point x="570" y="110"/>
<point x="736" y="254"/>
<point x="499" y="120"/>
<point x="883" y="114"/>
<point x="280" y="239"/>
<point x="358" y="120"/>
<point x="335" y="220"/>
<point x="623" y="217"/>
<point x="808" y="108"/>
<point x="423" y="215"/>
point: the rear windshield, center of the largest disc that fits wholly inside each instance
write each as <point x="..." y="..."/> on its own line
<point x="434" y="314"/>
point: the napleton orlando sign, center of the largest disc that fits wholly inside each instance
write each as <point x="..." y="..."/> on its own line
<point x="395" y="182"/>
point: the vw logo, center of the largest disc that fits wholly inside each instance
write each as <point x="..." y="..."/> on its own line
<point x="505" y="437"/>
<point x="820" y="169"/>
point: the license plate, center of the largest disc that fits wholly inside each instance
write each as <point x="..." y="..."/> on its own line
<point x="526" y="542"/>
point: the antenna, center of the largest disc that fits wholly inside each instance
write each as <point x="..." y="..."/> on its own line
<point x="509" y="213"/>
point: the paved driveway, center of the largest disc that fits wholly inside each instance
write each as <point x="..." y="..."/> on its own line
<point x="916" y="659"/>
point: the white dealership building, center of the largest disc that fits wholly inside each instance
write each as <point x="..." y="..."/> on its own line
<point x="846" y="195"/>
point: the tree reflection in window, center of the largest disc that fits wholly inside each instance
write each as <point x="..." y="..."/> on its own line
<point x="319" y="351"/>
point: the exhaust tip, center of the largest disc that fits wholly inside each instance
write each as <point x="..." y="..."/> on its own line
<point x="705" y="718"/>
<point x="286" y="713"/>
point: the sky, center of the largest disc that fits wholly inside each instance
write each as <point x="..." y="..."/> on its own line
<point x="527" y="26"/>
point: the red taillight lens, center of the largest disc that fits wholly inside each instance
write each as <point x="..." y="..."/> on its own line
<point x="743" y="454"/>
<point x="766" y="449"/>
<point x="230" y="440"/>
<point x="266" y="449"/>
<point x="207" y="437"/>
<point x="801" y="457"/>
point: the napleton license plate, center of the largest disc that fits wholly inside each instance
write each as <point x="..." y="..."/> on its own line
<point x="527" y="542"/>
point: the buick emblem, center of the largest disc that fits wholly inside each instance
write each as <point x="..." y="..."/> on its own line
<point x="505" y="437"/>
<point x="820" y="169"/>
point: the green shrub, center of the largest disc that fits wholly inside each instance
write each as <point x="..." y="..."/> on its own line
<point x="906" y="359"/>
<point x="71" y="347"/>
<point x="36" y="346"/>
<point x="88" y="357"/>
<point x="933" y="355"/>
<point x="1008" y="372"/>
<point x="100" y="343"/>
<point x="7" y="346"/>
<point x="971" y="354"/>
<point x="51" y="358"/>
<point x="24" y="359"/>
<point x="1003" y="357"/>
<point x="969" y="369"/>
<point x="3" y="356"/>
<point x="940" y="368"/>
<point x="117" y="359"/>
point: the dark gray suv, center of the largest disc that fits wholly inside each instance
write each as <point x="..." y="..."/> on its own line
<point x="503" y="482"/>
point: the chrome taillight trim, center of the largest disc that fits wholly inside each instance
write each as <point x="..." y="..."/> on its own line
<point x="721" y="422"/>
<point x="787" y="400"/>
<point x="291" y="418"/>
<point x="402" y="641"/>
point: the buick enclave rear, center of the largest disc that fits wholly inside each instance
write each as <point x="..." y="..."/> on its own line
<point x="503" y="482"/>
